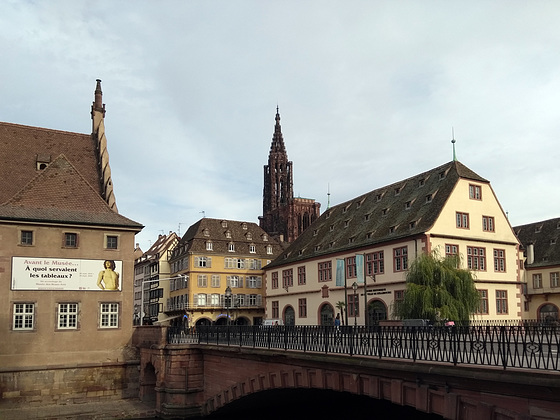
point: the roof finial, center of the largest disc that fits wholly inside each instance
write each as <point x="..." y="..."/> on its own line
<point x="453" y="142"/>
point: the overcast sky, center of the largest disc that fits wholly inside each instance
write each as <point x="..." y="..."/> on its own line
<point x="368" y="92"/>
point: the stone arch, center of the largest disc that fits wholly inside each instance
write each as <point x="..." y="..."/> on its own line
<point x="148" y="383"/>
<point x="326" y="314"/>
<point x="203" y="321"/>
<point x="547" y="312"/>
<point x="376" y="311"/>
<point x="289" y="315"/>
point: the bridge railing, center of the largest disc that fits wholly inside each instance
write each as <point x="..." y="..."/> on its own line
<point x="528" y="346"/>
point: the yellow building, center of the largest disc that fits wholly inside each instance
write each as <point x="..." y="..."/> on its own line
<point x="217" y="257"/>
<point x="66" y="268"/>
<point x="541" y="242"/>
<point x="449" y="208"/>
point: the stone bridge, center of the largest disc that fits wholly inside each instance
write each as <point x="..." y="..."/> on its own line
<point x="192" y="380"/>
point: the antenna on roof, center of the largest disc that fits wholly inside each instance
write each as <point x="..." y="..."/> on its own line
<point x="453" y="142"/>
<point x="328" y="196"/>
<point x="203" y="214"/>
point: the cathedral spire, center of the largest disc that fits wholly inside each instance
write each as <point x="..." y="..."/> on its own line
<point x="277" y="138"/>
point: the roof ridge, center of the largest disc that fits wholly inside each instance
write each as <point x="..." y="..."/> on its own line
<point x="30" y="127"/>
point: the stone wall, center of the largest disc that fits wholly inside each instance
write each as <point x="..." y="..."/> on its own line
<point x="68" y="385"/>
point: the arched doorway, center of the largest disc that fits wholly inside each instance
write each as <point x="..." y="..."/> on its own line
<point x="289" y="316"/>
<point x="548" y="313"/>
<point x="148" y="384"/>
<point x="241" y="321"/>
<point x="203" y="322"/>
<point x="326" y="315"/>
<point x="377" y="311"/>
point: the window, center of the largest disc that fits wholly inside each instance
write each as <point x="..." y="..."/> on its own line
<point x="269" y="249"/>
<point x="215" y="281"/>
<point x="554" y="279"/>
<point x="252" y="249"/>
<point x="401" y="258"/>
<point x="301" y="275"/>
<point x="109" y="315"/>
<point x="374" y="263"/>
<point x="235" y="281"/>
<point x="67" y="316"/>
<point x="488" y="223"/>
<point x="200" y="299"/>
<point x="275" y="280"/>
<point x="500" y="260"/>
<point x="254" y="282"/>
<point x="475" y="192"/>
<point x="451" y="250"/>
<point x="476" y="258"/>
<point x="70" y="240"/>
<point x="203" y="262"/>
<point x="483" y="303"/>
<point x="287" y="278"/>
<point x="325" y="271"/>
<point x="24" y="316"/>
<point x="26" y="237"/>
<point x="302" y="307"/>
<point x="209" y="246"/>
<point x="462" y="220"/>
<point x="350" y="267"/>
<point x="501" y="302"/>
<point x="399" y="297"/>
<point x="275" y="309"/>
<point x="202" y="280"/>
<point x="231" y="247"/>
<point x="111" y="242"/>
<point x="537" y="281"/>
<point x="353" y="307"/>
<point x="429" y="198"/>
<point x="215" y="299"/>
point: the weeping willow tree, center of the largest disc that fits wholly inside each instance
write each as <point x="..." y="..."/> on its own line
<point x="437" y="289"/>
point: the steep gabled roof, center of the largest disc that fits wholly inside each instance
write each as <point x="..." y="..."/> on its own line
<point x="22" y="147"/>
<point x="222" y="232"/>
<point x="545" y="237"/>
<point x="60" y="194"/>
<point x="406" y="208"/>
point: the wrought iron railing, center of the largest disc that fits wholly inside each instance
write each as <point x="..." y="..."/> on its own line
<point x="527" y="346"/>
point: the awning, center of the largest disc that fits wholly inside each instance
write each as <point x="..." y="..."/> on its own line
<point x="167" y="319"/>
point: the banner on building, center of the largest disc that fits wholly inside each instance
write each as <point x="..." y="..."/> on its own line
<point x="66" y="274"/>
<point x="360" y="267"/>
<point x="340" y="274"/>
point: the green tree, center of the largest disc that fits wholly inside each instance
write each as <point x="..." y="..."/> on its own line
<point x="340" y="305"/>
<point x="437" y="289"/>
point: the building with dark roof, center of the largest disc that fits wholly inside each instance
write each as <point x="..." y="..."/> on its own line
<point x="541" y="244"/>
<point x="449" y="208"/>
<point x="285" y="217"/>
<point x="66" y="267"/>
<point x="216" y="257"/>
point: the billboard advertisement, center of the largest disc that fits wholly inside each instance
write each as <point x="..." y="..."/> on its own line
<point x="66" y="274"/>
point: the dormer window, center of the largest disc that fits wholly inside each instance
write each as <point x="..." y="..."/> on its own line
<point x="249" y="236"/>
<point x="228" y="234"/>
<point x="252" y="249"/>
<point x="346" y="223"/>
<point x="231" y="247"/>
<point x="209" y="246"/>
<point x="366" y="217"/>
<point x="408" y="205"/>
<point x="384" y="211"/>
<point x="265" y="237"/>
<point x="206" y="232"/>
<point x="397" y="190"/>
<point x="442" y="175"/>
<point x="421" y="183"/>
<point x="328" y="214"/>
<point x="315" y="231"/>
<point x="244" y="226"/>
<point x="378" y="197"/>
<point x="392" y="229"/>
<point x="538" y="229"/>
<point x="429" y="198"/>
<point x="412" y="224"/>
<point x="42" y="161"/>
<point x="351" y="240"/>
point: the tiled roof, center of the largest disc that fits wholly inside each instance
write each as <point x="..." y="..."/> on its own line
<point x="545" y="237"/>
<point x="21" y="146"/>
<point x="223" y="232"/>
<point x="61" y="194"/>
<point x="403" y="209"/>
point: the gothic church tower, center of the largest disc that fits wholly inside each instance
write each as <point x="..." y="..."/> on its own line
<point x="284" y="217"/>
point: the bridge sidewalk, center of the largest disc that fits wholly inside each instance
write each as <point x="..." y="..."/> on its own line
<point x="102" y="410"/>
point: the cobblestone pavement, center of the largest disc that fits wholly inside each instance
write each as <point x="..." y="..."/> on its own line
<point x="106" y="410"/>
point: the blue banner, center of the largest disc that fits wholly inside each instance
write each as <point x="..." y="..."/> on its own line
<point x="340" y="274"/>
<point x="360" y="267"/>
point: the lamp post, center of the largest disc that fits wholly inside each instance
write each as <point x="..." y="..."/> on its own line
<point x="228" y="301"/>
<point x="355" y="306"/>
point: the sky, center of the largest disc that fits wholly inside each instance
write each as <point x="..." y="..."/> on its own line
<point x="369" y="92"/>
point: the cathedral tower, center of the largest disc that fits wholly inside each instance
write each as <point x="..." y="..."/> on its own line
<point x="284" y="217"/>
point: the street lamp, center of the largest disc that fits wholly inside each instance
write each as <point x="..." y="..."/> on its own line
<point x="228" y="301"/>
<point x="355" y="307"/>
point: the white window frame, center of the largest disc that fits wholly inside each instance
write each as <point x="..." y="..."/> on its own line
<point x="68" y="316"/>
<point x="23" y="317"/>
<point x="109" y="315"/>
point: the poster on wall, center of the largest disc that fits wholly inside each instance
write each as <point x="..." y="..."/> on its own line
<point x="66" y="274"/>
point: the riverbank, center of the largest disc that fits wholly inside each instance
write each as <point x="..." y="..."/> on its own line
<point x="103" y="410"/>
